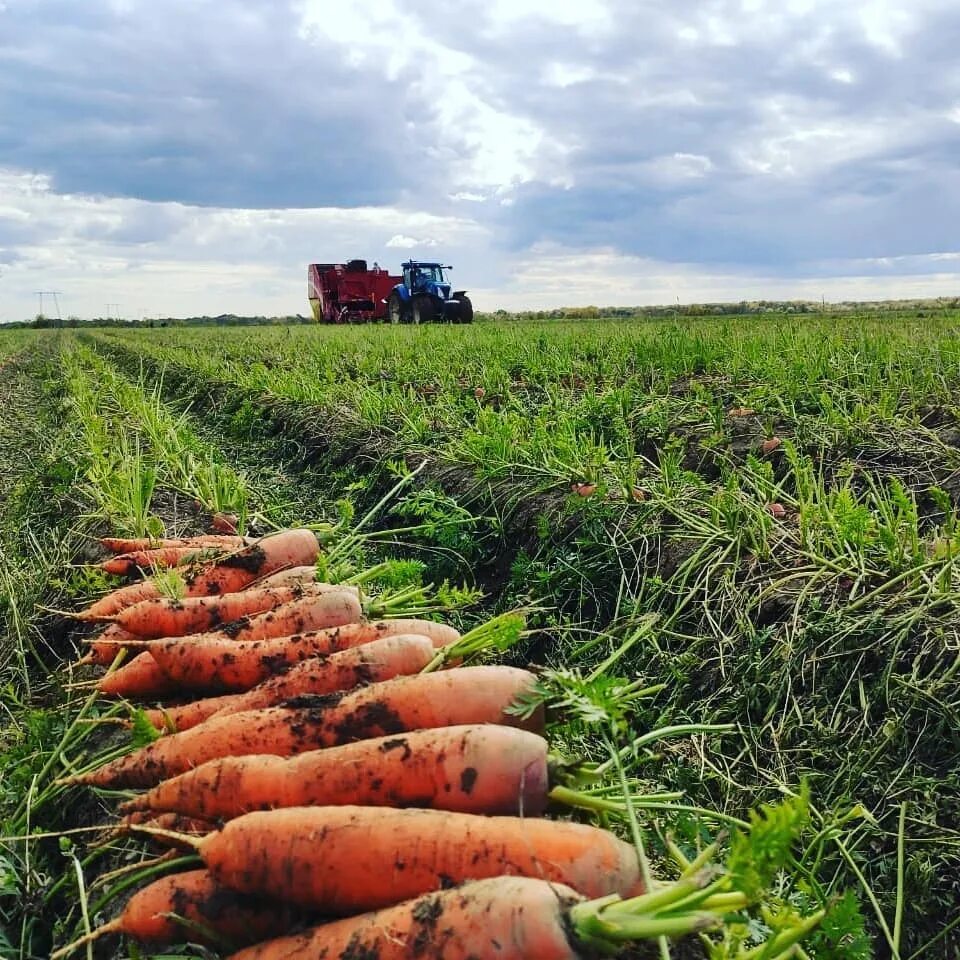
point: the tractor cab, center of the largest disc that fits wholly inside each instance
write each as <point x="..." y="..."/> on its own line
<point x="426" y="278"/>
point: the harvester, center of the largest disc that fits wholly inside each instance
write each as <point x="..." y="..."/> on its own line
<point x="349" y="292"/>
<point x="352" y="293"/>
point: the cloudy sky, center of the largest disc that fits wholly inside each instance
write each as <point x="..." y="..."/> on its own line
<point x="177" y="157"/>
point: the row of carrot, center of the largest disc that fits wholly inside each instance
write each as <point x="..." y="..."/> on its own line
<point x="331" y="766"/>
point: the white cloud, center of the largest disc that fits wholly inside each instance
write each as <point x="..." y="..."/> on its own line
<point x="402" y="242"/>
<point x="385" y="34"/>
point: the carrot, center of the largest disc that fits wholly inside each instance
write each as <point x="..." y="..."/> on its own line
<point x="188" y="715"/>
<point x="516" y="918"/>
<point x="311" y="611"/>
<point x="482" y="768"/>
<point x="510" y="918"/>
<point x="159" y="558"/>
<point x="104" y="648"/>
<point x="225" y="522"/>
<point x="141" y="677"/>
<point x="163" y="617"/>
<point x="383" y="659"/>
<point x="124" y="545"/>
<point x="288" y="578"/>
<point x="169" y="821"/>
<point x="289" y="548"/>
<point x="443" y="699"/>
<point x="347" y="859"/>
<point x="210" y="913"/>
<point x="226" y="664"/>
<point x="117" y="599"/>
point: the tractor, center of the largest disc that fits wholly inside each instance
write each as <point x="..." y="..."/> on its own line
<point x="424" y="296"/>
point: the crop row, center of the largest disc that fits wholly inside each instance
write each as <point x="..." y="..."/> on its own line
<point x="806" y="588"/>
<point x="129" y="462"/>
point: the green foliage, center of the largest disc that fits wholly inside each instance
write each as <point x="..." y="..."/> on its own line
<point x="842" y="935"/>
<point x="142" y="731"/>
<point x="757" y="856"/>
<point x="22" y="744"/>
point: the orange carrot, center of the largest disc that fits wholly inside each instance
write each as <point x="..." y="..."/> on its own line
<point x="122" y="545"/>
<point x="444" y="699"/>
<point x="163" y="617"/>
<point x="510" y="918"/>
<point x="226" y="664"/>
<point x="117" y="599"/>
<point x="482" y="768"/>
<point x="289" y="548"/>
<point x="347" y="859"/>
<point x="311" y="611"/>
<point x="169" y="821"/>
<point x="187" y="715"/>
<point x="383" y="659"/>
<point x="212" y="912"/>
<point x="288" y="578"/>
<point x="104" y="648"/>
<point x="159" y="558"/>
<point x="225" y="522"/>
<point x="138" y="679"/>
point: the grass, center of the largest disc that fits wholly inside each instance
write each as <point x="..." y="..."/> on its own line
<point x="825" y="628"/>
<point x="804" y="591"/>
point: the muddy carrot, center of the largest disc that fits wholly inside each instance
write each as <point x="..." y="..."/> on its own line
<point x="159" y="558"/>
<point x="104" y="648"/>
<point x="346" y="859"/>
<point x="210" y="913"/>
<point x="289" y="548"/>
<point x="513" y="918"/>
<point x="138" y="679"/>
<point x="226" y="664"/>
<point x="125" y="545"/>
<point x="187" y="715"/>
<point x="510" y="918"/>
<point x="383" y="659"/>
<point x="446" y="699"/>
<point x="164" y="617"/>
<point x="481" y="768"/>
<point x="312" y="610"/>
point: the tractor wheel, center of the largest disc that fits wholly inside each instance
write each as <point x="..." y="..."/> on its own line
<point x="395" y="311"/>
<point x="424" y="310"/>
<point x="465" y="314"/>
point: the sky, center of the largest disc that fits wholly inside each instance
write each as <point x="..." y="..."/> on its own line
<point x="188" y="157"/>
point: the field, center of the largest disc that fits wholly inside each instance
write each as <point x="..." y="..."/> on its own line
<point x="754" y="521"/>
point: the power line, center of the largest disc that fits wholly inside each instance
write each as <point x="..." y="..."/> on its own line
<point x="56" y="303"/>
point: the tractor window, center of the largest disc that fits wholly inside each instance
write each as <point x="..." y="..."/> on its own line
<point x="424" y="273"/>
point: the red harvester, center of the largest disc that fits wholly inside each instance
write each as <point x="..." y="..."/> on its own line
<point x="349" y="292"/>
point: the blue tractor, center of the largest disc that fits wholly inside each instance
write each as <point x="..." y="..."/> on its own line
<point x="425" y="296"/>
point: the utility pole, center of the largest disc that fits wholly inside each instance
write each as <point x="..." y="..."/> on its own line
<point x="56" y="303"/>
<point x="50" y="293"/>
